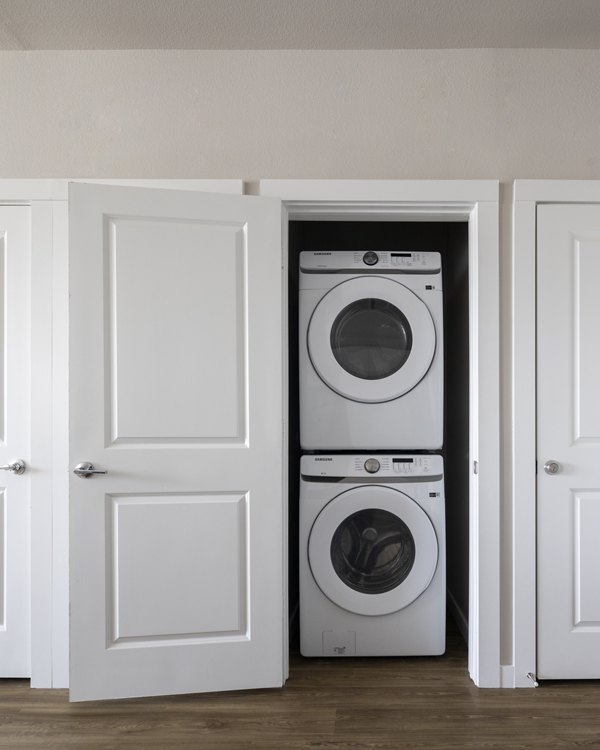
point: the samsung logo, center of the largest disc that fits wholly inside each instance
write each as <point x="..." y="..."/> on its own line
<point x="323" y="459"/>
<point x="321" y="253"/>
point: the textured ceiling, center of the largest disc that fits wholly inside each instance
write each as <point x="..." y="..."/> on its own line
<point x="298" y="24"/>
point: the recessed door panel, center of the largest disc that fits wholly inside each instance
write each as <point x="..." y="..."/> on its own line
<point x="586" y="533"/>
<point x="162" y="547"/>
<point x="586" y="313"/>
<point x="176" y="326"/>
<point x="3" y="567"/>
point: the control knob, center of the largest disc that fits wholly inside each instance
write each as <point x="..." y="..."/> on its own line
<point x="372" y="465"/>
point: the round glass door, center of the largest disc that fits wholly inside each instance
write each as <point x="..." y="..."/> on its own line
<point x="371" y="339"/>
<point x="372" y="550"/>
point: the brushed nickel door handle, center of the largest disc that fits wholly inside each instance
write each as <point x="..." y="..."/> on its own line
<point x="17" y="466"/>
<point x="87" y="469"/>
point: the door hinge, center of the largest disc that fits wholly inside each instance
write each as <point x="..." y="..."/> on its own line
<point x="475" y="467"/>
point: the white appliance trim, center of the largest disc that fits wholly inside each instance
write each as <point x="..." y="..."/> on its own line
<point x="445" y="200"/>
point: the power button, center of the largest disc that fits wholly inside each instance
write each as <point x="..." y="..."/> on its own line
<point x="372" y="465"/>
<point x="370" y="258"/>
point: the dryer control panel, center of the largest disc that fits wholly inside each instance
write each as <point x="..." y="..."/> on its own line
<point x="375" y="465"/>
<point x="369" y="261"/>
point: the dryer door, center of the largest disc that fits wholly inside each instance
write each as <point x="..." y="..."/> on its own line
<point x="373" y="550"/>
<point x="371" y="339"/>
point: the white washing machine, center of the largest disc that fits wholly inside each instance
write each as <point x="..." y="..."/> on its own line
<point x="371" y="351"/>
<point x="372" y="555"/>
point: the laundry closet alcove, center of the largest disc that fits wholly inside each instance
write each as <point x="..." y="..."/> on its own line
<point x="259" y="237"/>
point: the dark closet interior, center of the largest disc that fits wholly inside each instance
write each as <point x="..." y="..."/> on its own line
<point x="450" y="239"/>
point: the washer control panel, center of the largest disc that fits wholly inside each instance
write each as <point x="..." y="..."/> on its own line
<point x="365" y="261"/>
<point x="372" y="465"/>
<point x="389" y="465"/>
<point x="370" y="258"/>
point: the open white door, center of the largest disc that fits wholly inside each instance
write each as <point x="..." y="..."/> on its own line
<point x="15" y="529"/>
<point x="176" y="564"/>
<point x="568" y="438"/>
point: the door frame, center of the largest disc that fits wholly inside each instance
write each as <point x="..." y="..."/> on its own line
<point x="527" y="195"/>
<point x="474" y="201"/>
<point x="48" y="200"/>
<point x="477" y="202"/>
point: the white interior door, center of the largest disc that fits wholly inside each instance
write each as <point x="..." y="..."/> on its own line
<point x="176" y="552"/>
<point x="568" y="436"/>
<point x="15" y="567"/>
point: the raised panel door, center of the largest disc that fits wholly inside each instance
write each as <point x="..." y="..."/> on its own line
<point x="176" y="393"/>
<point x="568" y="437"/>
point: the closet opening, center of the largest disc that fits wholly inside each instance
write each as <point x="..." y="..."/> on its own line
<point x="451" y="240"/>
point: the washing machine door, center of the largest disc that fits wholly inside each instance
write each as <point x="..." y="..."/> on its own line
<point x="371" y="339"/>
<point x="372" y="550"/>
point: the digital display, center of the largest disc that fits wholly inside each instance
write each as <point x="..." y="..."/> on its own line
<point x="401" y="255"/>
<point x="403" y="460"/>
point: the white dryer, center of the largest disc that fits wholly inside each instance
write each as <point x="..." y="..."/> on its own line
<point x="372" y="555"/>
<point x="371" y="351"/>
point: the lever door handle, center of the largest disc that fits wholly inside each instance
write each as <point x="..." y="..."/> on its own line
<point x="86" y="469"/>
<point x="17" y="466"/>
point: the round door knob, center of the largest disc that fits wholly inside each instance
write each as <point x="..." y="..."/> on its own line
<point x="551" y="467"/>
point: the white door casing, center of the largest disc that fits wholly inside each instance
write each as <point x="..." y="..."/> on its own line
<point x="15" y="253"/>
<point x="474" y="201"/>
<point x="568" y="433"/>
<point x="176" y="391"/>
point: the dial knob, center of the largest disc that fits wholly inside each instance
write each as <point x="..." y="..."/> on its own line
<point x="370" y="258"/>
<point x="372" y="465"/>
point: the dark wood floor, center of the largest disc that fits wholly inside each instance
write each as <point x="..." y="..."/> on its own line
<point x="353" y="704"/>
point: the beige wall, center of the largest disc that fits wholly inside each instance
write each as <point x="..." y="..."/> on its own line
<point x="363" y="114"/>
<point x="498" y="114"/>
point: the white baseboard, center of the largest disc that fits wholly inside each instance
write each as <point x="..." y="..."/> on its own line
<point x="507" y="676"/>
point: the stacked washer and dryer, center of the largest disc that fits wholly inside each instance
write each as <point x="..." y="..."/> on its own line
<point x="372" y="509"/>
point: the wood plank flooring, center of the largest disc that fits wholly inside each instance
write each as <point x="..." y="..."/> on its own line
<point x="343" y="704"/>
